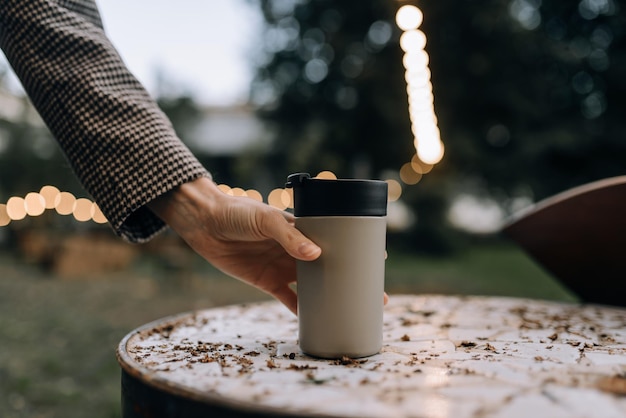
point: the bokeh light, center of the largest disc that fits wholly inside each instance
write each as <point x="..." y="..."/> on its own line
<point x="326" y="175"/>
<point x="409" y="17"/>
<point x="408" y="175"/>
<point x="83" y="210"/>
<point x="16" y="208"/>
<point x="64" y="203"/>
<point x="416" y="61"/>
<point x="279" y="198"/>
<point x="238" y="191"/>
<point x="35" y="204"/>
<point x="420" y="166"/>
<point x="4" y="215"/>
<point x="49" y="194"/>
<point x="98" y="216"/>
<point x="427" y="138"/>
<point x="49" y="197"/>
<point x="224" y="188"/>
<point x="394" y="190"/>
<point x="412" y="40"/>
<point x="289" y="201"/>
<point x="430" y="151"/>
<point x="254" y="194"/>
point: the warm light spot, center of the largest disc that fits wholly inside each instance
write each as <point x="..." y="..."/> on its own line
<point x="420" y="93"/>
<point x="49" y="194"/>
<point x="421" y="104"/>
<point x="394" y="190"/>
<point x="289" y="200"/>
<point x="277" y="199"/>
<point x="5" y="219"/>
<point x="98" y="217"/>
<point x="416" y="61"/>
<point x="254" y="194"/>
<point x="326" y="175"/>
<point x="35" y="204"/>
<point x="16" y="208"/>
<point x="408" y="175"/>
<point x="409" y="17"/>
<point x="83" y="210"/>
<point x="420" y="166"/>
<point x="417" y="81"/>
<point x="412" y="40"/>
<point x="224" y="188"/>
<point x="430" y="152"/>
<point x="423" y="120"/>
<point x="64" y="203"/>
<point x="238" y="191"/>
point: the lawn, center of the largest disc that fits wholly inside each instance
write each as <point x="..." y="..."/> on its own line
<point x="58" y="337"/>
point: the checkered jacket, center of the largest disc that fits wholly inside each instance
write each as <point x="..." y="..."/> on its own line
<point x="121" y="146"/>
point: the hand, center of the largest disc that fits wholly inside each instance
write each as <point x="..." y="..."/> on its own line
<point x="242" y="237"/>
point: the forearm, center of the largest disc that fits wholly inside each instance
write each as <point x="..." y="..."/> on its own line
<point x="121" y="146"/>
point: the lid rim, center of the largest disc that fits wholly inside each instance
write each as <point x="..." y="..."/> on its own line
<point x="337" y="197"/>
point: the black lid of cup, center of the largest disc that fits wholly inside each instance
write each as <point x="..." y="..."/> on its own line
<point x="341" y="197"/>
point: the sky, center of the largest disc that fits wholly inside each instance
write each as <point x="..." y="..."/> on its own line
<point x="203" y="47"/>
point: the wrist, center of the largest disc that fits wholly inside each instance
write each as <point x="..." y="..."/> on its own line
<point x="186" y="201"/>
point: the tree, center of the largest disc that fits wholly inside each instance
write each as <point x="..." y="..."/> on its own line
<point x="528" y="95"/>
<point x="333" y="85"/>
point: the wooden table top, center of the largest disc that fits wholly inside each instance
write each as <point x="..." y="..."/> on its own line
<point x="443" y="356"/>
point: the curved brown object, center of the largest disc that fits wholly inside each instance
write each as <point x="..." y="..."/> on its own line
<point x="580" y="237"/>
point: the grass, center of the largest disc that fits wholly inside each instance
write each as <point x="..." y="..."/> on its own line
<point x="499" y="270"/>
<point x="58" y="337"/>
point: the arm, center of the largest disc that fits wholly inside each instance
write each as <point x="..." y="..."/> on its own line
<point x="126" y="154"/>
<point x="121" y="146"/>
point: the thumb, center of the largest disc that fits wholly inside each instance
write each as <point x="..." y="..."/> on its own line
<point x="288" y="236"/>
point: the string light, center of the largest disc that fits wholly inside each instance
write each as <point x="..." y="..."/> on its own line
<point x="394" y="190"/>
<point x="83" y="210"/>
<point x="409" y="17"/>
<point x="408" y="175"/>
<point x="4" y="215"/>
<point x="427" y="141"/>
<point x="279" y="198"/>
<point x="238" y="191"/>
<point x="49" y="197"/>
<point x="225" y="188"/>
<point x="64" y="203"/>
<point x="49" y="194"/>
<point x="326" y="175"/>
<point x="98" y="216"/>
<point x="16" y="209"/>
<point x="253" y="194"/>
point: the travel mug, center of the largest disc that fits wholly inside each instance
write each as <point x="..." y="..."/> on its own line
<point x="340" y="295"/>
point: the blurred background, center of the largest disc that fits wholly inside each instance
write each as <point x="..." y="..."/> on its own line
<point x="471" y="110"/>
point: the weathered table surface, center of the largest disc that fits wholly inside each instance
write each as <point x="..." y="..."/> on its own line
<point x="443" y="356"/>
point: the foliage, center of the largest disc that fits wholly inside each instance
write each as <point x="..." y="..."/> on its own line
<point x="528" y="95"/>
<point x="332" y="82"/>
<point x="28" y="155"/>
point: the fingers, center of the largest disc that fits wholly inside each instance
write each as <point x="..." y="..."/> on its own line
<point x="275" y="225"/>
<point x="288" y="297"/>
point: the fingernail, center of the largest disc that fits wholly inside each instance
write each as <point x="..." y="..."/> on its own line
<point x="308" y="250"/>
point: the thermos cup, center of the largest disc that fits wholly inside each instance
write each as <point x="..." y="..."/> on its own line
<point x="340" y="295"/>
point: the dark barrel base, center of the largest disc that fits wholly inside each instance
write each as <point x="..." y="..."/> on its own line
<point x="140" y="400"/>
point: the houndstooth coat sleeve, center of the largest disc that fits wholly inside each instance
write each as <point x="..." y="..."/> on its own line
<point x="121" y="146"/>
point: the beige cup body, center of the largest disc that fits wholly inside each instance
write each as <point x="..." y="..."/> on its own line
<point x="340" y="295"/>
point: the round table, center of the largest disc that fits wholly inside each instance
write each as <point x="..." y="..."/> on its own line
<point x="443" y="356"/>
